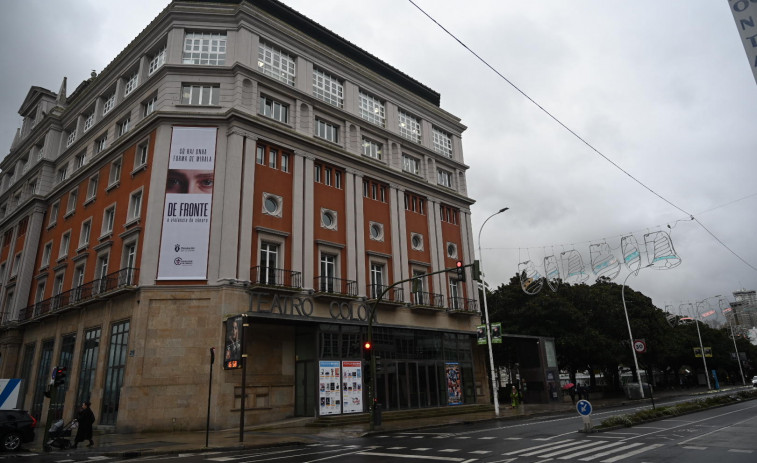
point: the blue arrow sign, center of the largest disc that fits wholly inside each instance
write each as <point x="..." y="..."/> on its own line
<point x="583" y="407"/>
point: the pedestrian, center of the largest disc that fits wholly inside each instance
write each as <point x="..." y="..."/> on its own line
<point x="514" y="397"/>
<point x="86" y="419"/>
<point x="586" y="391"/>
<point x="572" y="393"/>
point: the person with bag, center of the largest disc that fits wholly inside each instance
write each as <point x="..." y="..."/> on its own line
<point x="86" y="419"/>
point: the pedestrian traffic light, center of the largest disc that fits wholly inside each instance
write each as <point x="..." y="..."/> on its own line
<point x="460" y="271"/>
<point x="60" y="376"/>
<point x="476" y="271"/>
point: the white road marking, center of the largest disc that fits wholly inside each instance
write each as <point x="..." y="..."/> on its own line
<point x="480" y="452"/>
<point x="513" y="438"/>
<point x="449" y="450"/>
<point x="416" y="457"/>
<point x="539" y="447"/>
<point x="610" y="452"/>
<point x="630" y="454"/>
<point x="694" y="447"/>
<point x="740" y="451"/>
<point x="575" y="447"/>
<point x="594" y="449"/>
<point x="488" y="437"/>
<point x="421" y="449"/>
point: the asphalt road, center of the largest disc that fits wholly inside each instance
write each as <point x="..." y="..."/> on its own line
<point x="721" y="435"/>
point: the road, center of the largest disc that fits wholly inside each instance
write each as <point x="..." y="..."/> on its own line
<point x="723" y="435"/>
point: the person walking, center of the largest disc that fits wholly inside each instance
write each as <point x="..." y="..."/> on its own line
<point x="514" y="397"/>
<point x="86" y="419"/>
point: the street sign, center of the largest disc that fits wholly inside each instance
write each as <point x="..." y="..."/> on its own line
<point x="640" y="346"/>
<point x="583" y="407"/>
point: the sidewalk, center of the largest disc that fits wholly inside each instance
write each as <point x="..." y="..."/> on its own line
<point x="301" y="430"/>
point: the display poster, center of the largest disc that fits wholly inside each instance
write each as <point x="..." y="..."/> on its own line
<point x="496" y="333"/>
<point x="186" y="214"/>
<point x="232" y="355"/>
<point x="481" y="334"/>
<point x="454" y="383"/>
<point x="329" y="395"/>
<point x="352" y="387"/>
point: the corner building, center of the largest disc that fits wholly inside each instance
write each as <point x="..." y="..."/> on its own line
<point x="236" y="158"/>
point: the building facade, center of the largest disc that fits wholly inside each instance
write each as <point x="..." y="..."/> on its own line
<point x="236" y="159"/>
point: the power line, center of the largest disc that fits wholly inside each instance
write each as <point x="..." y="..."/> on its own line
<point x="576" y="135"/>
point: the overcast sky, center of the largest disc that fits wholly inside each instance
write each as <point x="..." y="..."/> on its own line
<point x="663" y="89"/>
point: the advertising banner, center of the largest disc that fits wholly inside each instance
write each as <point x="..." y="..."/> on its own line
<point x="496" y="333"/>
<point x="454" y="383"/>
<point x="352" y="387"/>
<point x="186" y="214"/>
<point x="329" y="395"/>
<point x="232" y="355"/>
<point x="744" y="12"/>
<point x="481" y="334"/>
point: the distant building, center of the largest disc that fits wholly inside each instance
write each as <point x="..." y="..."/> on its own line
<point x="743" y="315"/>
<point x="236" y="158"/>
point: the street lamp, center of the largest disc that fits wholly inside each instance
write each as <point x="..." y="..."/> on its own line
<point x="486" y="314"/>
<point x="630" y="335"/>
<point x="733" y="336"/>
<point x="699" y="333"/>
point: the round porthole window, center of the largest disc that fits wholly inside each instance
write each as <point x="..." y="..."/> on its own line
<point x="451" y="250"/>
<point x="329" y="221"/>
<point x="271" y="205"/>
<point x="417" y="241"/>
<point x="376" y="231"/>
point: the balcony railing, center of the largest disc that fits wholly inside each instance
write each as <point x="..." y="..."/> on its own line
<point x="120" y="279"/>
<point x="275" y="277"/>
<point x="395" y="294"/>
<point x="426" y="299"/>
<point x="459" y="304"/>
<point x="325" y="284"/>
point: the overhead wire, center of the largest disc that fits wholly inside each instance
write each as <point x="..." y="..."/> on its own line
<point x="574" y="133"/>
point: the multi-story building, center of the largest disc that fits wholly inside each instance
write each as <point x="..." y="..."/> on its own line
<point x="743" y="314"/>
<point x="236" y="158"/>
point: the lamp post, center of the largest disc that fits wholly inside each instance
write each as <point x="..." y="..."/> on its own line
<point x="733" y="336"/>
<point x="486" y="314"/>
<point x="630" y="335"/>
<point x="701" y="346"/>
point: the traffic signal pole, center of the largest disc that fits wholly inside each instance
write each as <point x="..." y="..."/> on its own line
<point x="372" y="385"/>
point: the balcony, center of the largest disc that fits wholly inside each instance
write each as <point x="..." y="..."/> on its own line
<point x="276" y="278"/>
<point x="461" y="305"/>
<point x="325" y="285"/>
<point x="109" y="285"/>
<point x="394" y="296"/>
<point x="420" y="299"/>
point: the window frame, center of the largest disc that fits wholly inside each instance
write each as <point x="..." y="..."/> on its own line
<point x="411" y="164"/>
<point x="326" y="130"/>
<point x="109" y="220"/>
<point x="372" y="109"/>
<point x="409" y="126"/>
<point x="276" y="63"/>
<point x="213" y="99"/>
<point x="442" y="142"/>
<point x="273" y="109"/>
<point x="85" y="234"/>
<point x="197" y="41"/>
<point x="328" y="88"/>
<point x="134" y="212"/>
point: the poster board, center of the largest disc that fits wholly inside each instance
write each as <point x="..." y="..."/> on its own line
<point x="352" y="387"/>
<point x="329" y="390"/>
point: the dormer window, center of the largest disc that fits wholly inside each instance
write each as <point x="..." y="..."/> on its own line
<point x="89" y="121"/>
<point x="158" y="60"/>
<point x="109" y="102"/>
<point x="131" y="83"/>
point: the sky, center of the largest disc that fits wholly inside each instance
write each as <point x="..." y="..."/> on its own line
<point x="662" y="89"/>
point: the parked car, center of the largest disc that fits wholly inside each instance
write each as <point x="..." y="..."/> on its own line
<point x="16" y="428"/>
<point x="754" y="381"/>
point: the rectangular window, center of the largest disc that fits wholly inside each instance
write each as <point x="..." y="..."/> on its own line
<point x="141" y="158"/>
<point x="78" y="276"/>
<point x="442" y="143"/>
<point x="131" y="83"/>
<point x="101" y="144"/>
<point x="88" y="366"/>
<point x="39" y="294"/>
<point x="328" y="88"/>
<point x="86" y="229"/>
<point x="71" y="137"/>
<point x="372" y="110"/>
<point x="16" y="264"/>
<point x="328" y="272"/>
<point x="114" y="375"/>
<point x="200" y="94"/>
<point x="273" y="156"/>
<point x="62" y="174"/>
<point x="260" y="155"/>
<point x="455" y="298"/>
<point x="411" y="164"/>
<point x="372" y="149"/>
<point x="102" y="266"/>
<point x="418" y="287"/>
<point x="204" y="48"/>
<point x="89" y="121"/>
<point x="46" y="253"/>
<point x="115" y="172"/>
<point x="123" y="127"/>
<point x="269" y="256"/>
<point x="327" y="176"/>
<point x="109" y="102"/>
<point x="274" y="109"/>
<point x="274" y="62"/>
<point x="109" y="216"/>
<point x="54" y="213"/>
<point x="65" y="241"/>
<point x="284" y="162"/>
<point x="317" y="173"/>
<point x="79" y="160"/>
<point x="71" y="204"/>
<point x="327" y="131"/>
<point x="338" y="179"/>
<point x="135" y="205"/>
<point x="92" y="187"/>
<point x="410" y="127"/>
<point x="377" y="280"/>
<point x="444" y="178"/>
<point x="158" y="60"/>
<point x="149" y="106"/>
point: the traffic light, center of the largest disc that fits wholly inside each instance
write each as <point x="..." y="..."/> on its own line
<point x="476" y="271"/>
<point x="460" y="271"/>
<point x="367" y="348"/>
<point x="60" y="376"/>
